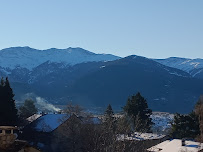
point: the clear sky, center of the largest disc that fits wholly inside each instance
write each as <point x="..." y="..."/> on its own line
<point x="151" y="28"/>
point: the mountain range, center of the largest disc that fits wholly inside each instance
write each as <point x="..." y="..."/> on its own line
<point x="192" y="66"/>
<point x="95" y="80"/>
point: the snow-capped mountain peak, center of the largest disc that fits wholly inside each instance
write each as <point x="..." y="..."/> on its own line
<point x="29" y="58"/>
<point x="184" y="64"/>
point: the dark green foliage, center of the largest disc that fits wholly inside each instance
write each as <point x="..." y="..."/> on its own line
<point x="28" y="109"/>
<point x="109" y="111"/>
<point x="109" y="120"/>
<point x="138" y="113"/>
<point x="185" y="126"/>
<point x="8" y="111"/>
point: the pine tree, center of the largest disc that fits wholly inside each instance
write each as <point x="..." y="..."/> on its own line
<point x="109" y="120"/>
<point x="28" y="109"/>
<point x="138" y="113"/>
<point x="185" y="126"/>
<point x="109" y="111"/>
<point x="8" y="111"/>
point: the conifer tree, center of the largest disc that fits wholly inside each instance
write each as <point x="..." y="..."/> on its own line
<point x="185" y="126"/>
<point x="109" y="111"/>
<point x="8" y="111"/>
<point x="138" y="113"/>
<point x="109" y="120"/>
<point x="28" y="109"/>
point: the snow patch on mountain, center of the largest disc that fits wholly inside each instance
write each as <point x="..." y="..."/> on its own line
<point x="103" y="66"/>
<point x="7" y="72"/>
<point x="184" y="64"/>
<point x="197" y="73"/>
<point x="26" y="57"/>
<point x="174" y="73"/>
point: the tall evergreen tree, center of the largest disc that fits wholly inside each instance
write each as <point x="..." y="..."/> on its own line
<point x="8" y="111"/>
<point x="109" y="120"/>
<point x="109" y="111"/>
<point x="138" y="113"/>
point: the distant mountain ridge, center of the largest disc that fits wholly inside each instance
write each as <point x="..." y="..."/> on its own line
<point x="29" y="58"/>
<point x="192" y="66"/>
<point x="95" y="80"/>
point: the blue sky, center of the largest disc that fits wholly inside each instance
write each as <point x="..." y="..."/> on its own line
<point x="151" y="28"/>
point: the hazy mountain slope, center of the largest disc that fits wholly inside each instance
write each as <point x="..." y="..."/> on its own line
<point x="164" y="90"/>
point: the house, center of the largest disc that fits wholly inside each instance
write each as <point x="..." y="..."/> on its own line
<point x="53" y="132"/>
<point x="141" y="141"/>
<point x="177" y="145"/>
<point x="70" y="133"/>
<point x="40" y="131"/>
<point x="8" y="142"/>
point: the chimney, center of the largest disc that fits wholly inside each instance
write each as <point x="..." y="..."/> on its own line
<point x="43" y="113"/>
<point x="7" y="137"/>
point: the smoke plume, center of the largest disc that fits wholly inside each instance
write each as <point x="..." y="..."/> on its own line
<point x="43" y="104"/>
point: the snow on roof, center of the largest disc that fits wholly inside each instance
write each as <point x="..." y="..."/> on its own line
<point x="141" y="136"/>
<point x="33" y="117"/>
<point x="50" y="122"/>
<point x="175" y="145"/>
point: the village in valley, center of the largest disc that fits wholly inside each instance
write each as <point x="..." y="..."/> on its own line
<point x="135" y="128"/>
<point x="101" y="76"/>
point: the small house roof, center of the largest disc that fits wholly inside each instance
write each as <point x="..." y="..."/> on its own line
<point x="48" y="122"/>
<point x="175" y="145"/>
<point x="33" y="117"/>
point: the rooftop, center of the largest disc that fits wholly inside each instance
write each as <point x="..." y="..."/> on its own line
<point x="175" y="145"/>
<point x="49" y="122"/>
<point x="7" y="127"/>
<point x="33" y="117"/>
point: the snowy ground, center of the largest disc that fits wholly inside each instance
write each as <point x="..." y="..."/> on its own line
<point x="162" y="121"/>
<point x="140" y="136"/>
<point x="175" y="145"/>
